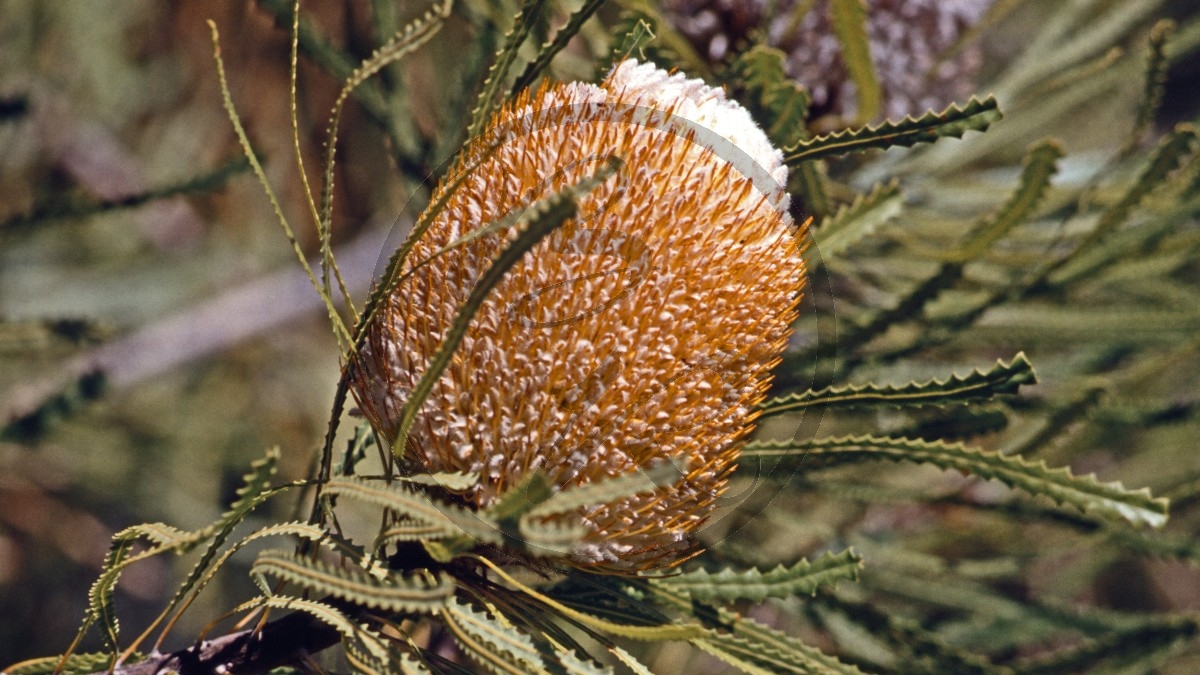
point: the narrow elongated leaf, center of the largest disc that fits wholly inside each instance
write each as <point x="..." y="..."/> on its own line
<point x="165" y="536"/>
<point x="62" y="208"/>
<point x="299" y="530"/>
<point x="629" y="661"/>
<point x="1002" y="378"/>
<point x="952" y="122"/>
<point x="743" y="637"/>
<point x="858" y="219"/>
<point x="533" y="489"/>
<point x="255" y="490"/>
<point x="364" y="648"/>
<point x="850" y="26"/>
<point x="1156" y="79"/>
<point x="1083" y="492"/>
<point x="496" y="645"/>
<point x="549" y="537"/>
<point x="393" y="593"/>
<point x="632" y="39"/>
<point x="750" y="656"/>
<point x="740" y="661"/>
<point x="1175" y="148"/>
<point x="1126" y="647"/>
<point x="572" y="664"/>
<point x="100" y="595"/>
<point x="401" y="44"/>
<point x="524" y="21"/>
<point x="802" y="578"/>
<point x="454" y="481"/>
<point x="1040" y="165"/>
<point x="780" y="104"/>
<point x="777" y="101"/>
<point x="663" y="474"/>
<point x="341" y="332"/>
<point x="449" y="520"/>
<point x="908" y="638"/>
<point x="549" y="50"/>
<point x="781" y="647"/>
<point x="653" y="633"/>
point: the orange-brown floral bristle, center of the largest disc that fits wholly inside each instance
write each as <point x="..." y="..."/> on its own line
<point x="643" y="329"/>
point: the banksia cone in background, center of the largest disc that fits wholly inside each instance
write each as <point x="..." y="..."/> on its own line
<point x="908" y="40"/>
<point x="642" y="330"/>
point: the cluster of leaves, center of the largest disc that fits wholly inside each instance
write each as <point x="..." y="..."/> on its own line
<point x="920" y="288"/>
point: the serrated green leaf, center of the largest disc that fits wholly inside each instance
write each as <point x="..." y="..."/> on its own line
<point x="100" y="595"/>
<point x="489" y="95"/>
<point x="165" y="536"/>
<point x="536" y="222"/>
<point x="394" y="593"/>
<point x="628" y="660"/>
<point x="780" y="105"/>
<point x="642" y="632"/>
<point x="850" y="26"/>
<point x="341" y="332"/>
<point x="740" y="661"/>
<point x="184" y="598"/>
<point x="449" y="519"/>
<point x="1175" y="148"/>
<point x="744" y="636"/>
<point x="858" y="219"/>
<point x="1040" y="165"/>
<point x="550" y="537"/>
<point x="254" y="491"/>
<point x="548" y="50"/>
<point x="802" y="578"/>
<point x="454" y="481"/>
<point x="775" y="100"/>
<point x="364" y="648"/>
<point x="1002" y="378"/>
<point x="1125" y="647"/>
<point x="911" y="641"/>
<point x="1155" y="80"/>
<point x="1057" y="323"/>
<point x="572" y="664"/>
<point x="356" y="450"/>
<point x="663" y="474"/>
<point x="750" y="656"/>
<point x="404" y="42"/>
<point x="533" y="489"/>
<point x="633" y="37"/>
<point x="1083" y="492"/>
<point x="494" y="644"/>
<point x="952" y="122"/>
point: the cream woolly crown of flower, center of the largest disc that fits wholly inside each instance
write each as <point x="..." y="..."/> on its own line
<point x="643" y="329"/>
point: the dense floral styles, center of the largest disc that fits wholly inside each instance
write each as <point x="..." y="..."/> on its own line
<point x="644" y="329"/>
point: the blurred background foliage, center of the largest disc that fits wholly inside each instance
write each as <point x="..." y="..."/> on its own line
<point x="155" y="335"/>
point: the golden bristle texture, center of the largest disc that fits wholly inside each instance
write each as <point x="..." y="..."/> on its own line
<point x="643" y="329"/>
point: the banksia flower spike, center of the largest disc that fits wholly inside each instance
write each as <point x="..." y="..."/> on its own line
<point x="642" y="330"/>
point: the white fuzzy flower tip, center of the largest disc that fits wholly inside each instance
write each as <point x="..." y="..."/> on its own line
<point x="643" y="329"/>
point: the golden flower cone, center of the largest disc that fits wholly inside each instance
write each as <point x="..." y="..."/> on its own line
<point x="644" y="329"/>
